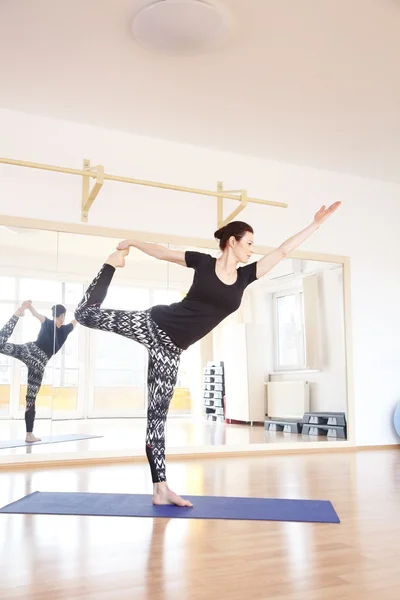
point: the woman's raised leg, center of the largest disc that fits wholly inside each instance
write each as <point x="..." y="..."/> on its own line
<point x="130" y="324"/>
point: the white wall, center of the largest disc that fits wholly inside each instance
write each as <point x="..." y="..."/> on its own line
<point x="366" y="228"/>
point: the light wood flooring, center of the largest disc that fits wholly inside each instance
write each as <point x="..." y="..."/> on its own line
<point x="99" y="558"/>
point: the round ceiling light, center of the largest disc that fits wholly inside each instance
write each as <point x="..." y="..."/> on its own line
<point x="180" y="26"/>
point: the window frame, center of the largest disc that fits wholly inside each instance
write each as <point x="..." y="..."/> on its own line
<point x="300" y="333"/>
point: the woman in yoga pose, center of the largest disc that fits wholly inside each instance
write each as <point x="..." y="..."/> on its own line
<point x="166" y="331"/>
<point x="35" y="355"/>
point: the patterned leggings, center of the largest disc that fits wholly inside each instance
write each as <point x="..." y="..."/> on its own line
<point x="164" y="358"/>
<point x="34" y="358"/>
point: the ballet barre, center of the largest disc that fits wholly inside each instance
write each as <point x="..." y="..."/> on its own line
<point x="97" y="173"/>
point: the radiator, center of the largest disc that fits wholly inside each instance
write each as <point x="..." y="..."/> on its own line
<point x="288" y="399"/>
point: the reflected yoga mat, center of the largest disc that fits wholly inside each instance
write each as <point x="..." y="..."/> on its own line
<point x="73" y="437"/>
<point x="205" y="507"/>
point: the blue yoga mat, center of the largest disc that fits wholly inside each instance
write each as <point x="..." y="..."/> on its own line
<point x="68" y="437"/>
<point x="205" y="507"/>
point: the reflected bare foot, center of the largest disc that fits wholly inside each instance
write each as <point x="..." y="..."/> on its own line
<point x="32" y="438"/>
<point x="162" y="495"/>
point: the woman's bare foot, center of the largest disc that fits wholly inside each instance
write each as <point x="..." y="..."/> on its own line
<point x="20" y="312"/>
<point x="163" y="495"/>
<point x="31" y="438"/>
<point x="117" y="258"/>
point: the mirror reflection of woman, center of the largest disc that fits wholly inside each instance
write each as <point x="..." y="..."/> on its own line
<point x="166" y="331"/>
<point x="35" y="355"/>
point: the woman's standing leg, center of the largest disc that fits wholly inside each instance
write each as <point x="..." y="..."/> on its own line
<point x="36" y="369"/>
<point x="161" y="380"/>
<point x="35" y="360"/>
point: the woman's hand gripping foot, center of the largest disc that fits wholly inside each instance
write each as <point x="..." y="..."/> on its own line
<point x="117" y="258"/>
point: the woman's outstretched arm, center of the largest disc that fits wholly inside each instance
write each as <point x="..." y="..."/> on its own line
<point x="156" y="250"/>
<point x="35" y="313"/>
<point x="265" y="264"/>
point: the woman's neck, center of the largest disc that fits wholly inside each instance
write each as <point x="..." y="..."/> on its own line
<point x="227" y="263"/>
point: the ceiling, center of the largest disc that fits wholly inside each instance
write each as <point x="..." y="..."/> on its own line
<point x="310" y="82"/>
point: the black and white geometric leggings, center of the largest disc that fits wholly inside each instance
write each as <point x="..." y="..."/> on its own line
<point x="163" y="364"/>
<point x="34" y="358"/>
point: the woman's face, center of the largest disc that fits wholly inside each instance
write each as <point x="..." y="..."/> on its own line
<point x="60" y="320"/>
<point x="243" y="248"/>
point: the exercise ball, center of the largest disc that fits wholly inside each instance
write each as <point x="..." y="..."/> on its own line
<point x="396" y="419"/>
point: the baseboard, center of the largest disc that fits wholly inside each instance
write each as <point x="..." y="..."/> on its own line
<point x="385" y="447"/>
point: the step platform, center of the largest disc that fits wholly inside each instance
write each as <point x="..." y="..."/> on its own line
<point x="285" y="425"/>
<point x="213" y="387"/>
<point x="213" y="371"/>
<point x="212" y="395"/>
<point x="214" y="402"/>
<point x="214" y="410"/>
<point x="335" y="431"/>
<point x="215" y="418"/>
<point x="325" y="418"/>
<point x="213" y="379"/>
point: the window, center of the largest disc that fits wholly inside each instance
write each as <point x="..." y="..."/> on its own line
<point x="73" y="292"/>
<point x="6" y="311"/>
<point x="7" y="288"/>
<point x="107" y="368"/>
<point x="167" y="296"/>
<point x="289" y="331"/>
<point x="45" y="290"/>
<point x="127" y="298"/>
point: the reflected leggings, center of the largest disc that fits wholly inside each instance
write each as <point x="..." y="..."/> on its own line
<point x="34" y="358"/>
<point x="163" y="364"/>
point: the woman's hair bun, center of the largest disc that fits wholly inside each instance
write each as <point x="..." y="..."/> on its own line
<point x="219" y="233"/>
<point x="237" y="229"/>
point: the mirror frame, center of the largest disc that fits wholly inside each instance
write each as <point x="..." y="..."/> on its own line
<point x="104" y="456"/>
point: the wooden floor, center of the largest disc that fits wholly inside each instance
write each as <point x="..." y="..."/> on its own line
<point x="126" y="558"/>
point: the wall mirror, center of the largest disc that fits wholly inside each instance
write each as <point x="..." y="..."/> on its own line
<point x="245" y="386"/>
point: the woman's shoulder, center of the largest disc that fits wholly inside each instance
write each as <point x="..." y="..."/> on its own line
<point x="195" y="258"/>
